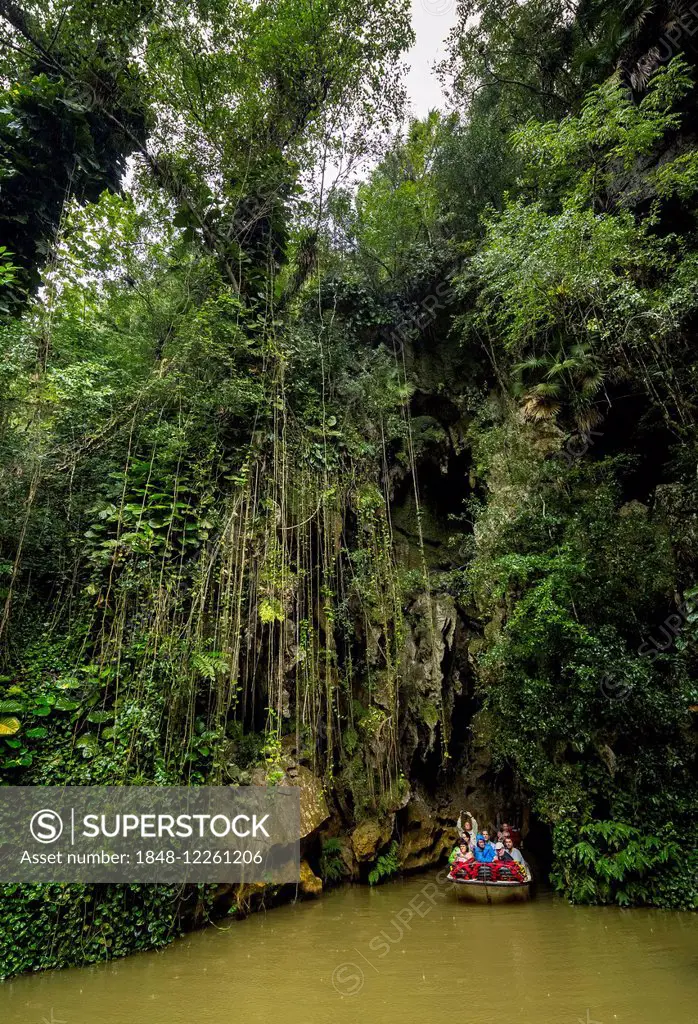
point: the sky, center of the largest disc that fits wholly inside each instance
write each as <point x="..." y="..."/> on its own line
<point x="431" y="20"/>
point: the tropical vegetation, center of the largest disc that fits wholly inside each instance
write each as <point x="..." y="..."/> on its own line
<point x="287" y="373"/>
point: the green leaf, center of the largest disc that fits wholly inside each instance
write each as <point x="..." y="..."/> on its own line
<point x="64" y="704"/>
<point x="100" y="716"/>
<point x="9" y="726"/>
<point x="69" y="683"/>
<point x="38" y="732"/>
<point x="10" y="707"/>
<point x="88" y="744"/>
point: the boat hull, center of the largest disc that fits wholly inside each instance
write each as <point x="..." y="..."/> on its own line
<point x="473" y="891"/>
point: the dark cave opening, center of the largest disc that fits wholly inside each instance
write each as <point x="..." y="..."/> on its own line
<point x="632" y="428"/>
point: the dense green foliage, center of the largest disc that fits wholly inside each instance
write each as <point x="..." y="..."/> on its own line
<point x="255" y="425"/>
<point x="56" y="925"/>
<point x="584" y="300"/>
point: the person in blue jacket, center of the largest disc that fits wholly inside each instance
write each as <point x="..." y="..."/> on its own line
<point x="484" y="851"/>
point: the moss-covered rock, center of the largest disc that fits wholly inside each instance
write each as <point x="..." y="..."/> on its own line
<point x="368" y="837"/>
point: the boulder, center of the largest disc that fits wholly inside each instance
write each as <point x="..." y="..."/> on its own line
<point x="314" y="809"/>
<point x="310" y="884"/>
<point x="368" y="837"/>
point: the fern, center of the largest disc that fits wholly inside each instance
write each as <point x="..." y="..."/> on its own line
<point x="332" y="866"/>
<point x="618" y="859"/>
<point x="210" y="664"/>
<point x="386" y="865"/>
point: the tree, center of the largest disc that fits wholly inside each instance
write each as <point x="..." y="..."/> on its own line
<point x="239" y="98"/>
<point x="68" y="122"/>
<point x="397" y="210"/>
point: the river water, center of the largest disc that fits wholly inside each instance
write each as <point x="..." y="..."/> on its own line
<point x="407" y="952"/>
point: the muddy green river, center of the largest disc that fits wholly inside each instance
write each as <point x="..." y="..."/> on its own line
<point x="405" y="953"/>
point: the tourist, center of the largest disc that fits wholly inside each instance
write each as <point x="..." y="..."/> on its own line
<point x="510" y="852"/>
<point x="488" y="841"/>
<point x="460" y="853"/>
<point x="484" y="851"/>
<point x="465" y="854"/>
<point x="515" y="835"/>
<point x="467" y="829"/>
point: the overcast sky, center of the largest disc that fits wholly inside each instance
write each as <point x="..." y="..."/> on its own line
<point x="432" y="21"/>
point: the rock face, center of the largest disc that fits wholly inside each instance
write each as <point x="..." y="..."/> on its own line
<point x="428" y="834"/>
<point x="348" y="858"/>
<point x="368" y="837"/>
<point x="310" y="884"/>
<point x="314" y="809"/>
<point x="432" y="622"/>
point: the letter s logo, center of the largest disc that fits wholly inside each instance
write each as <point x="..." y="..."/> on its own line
<point x="46" y="826"/>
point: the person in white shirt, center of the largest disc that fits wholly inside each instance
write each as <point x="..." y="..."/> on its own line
<point x="510" y="852"/>
<point x="467" y="829"/>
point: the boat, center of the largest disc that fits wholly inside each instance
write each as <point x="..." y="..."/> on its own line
<point x="475" y="891"/>
<point x="488" y="889"/>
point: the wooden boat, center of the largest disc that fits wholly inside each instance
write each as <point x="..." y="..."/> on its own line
<point x="475" y="891"/>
